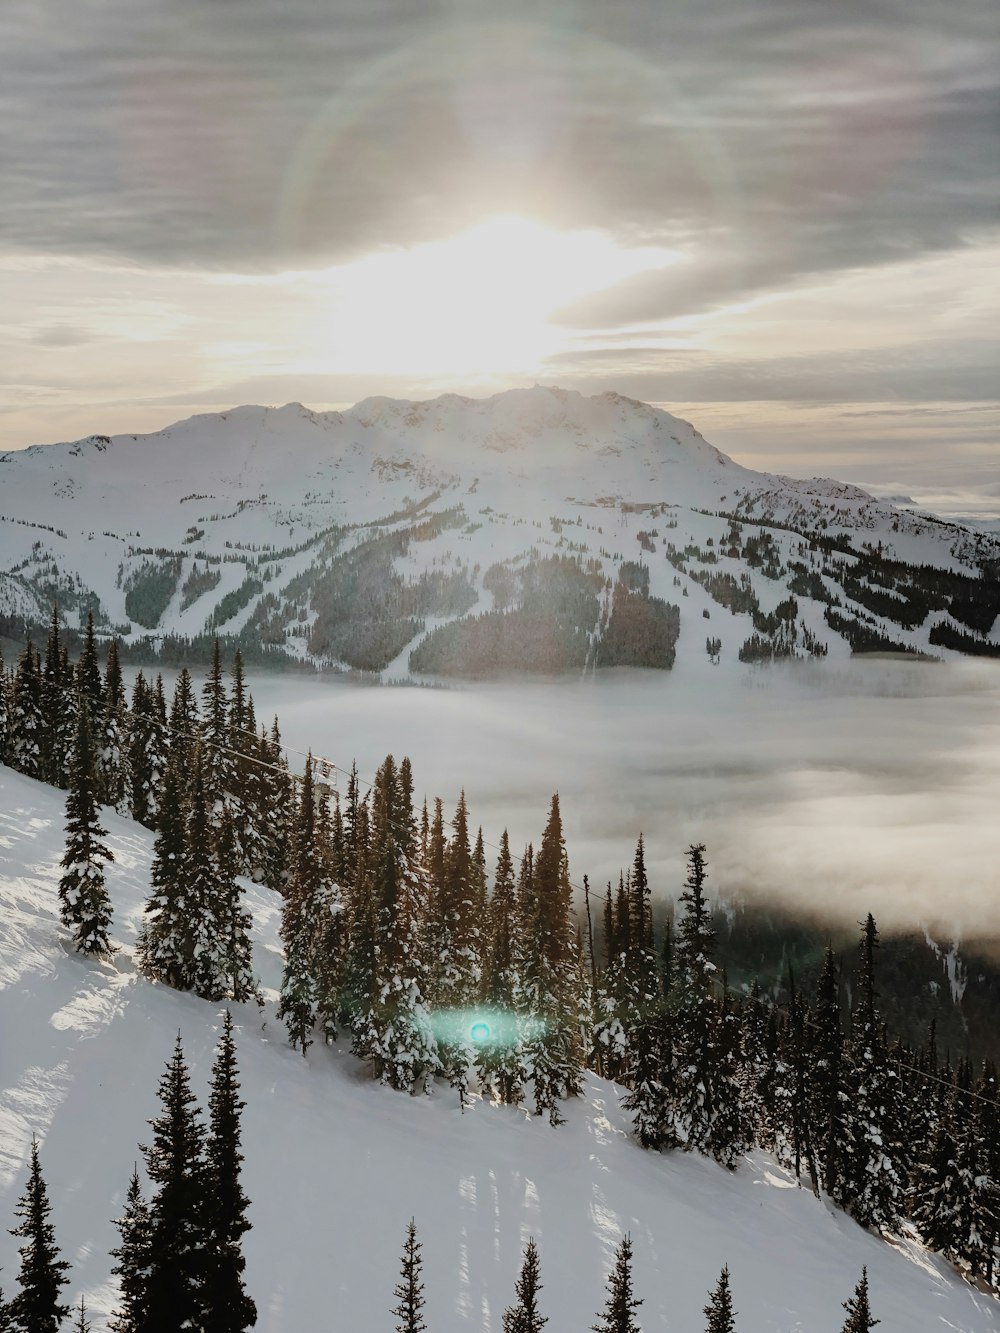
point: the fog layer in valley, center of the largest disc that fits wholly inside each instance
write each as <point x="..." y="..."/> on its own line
<point x="863" y="786"/>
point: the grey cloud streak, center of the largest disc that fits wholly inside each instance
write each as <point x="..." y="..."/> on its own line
<point x="795" y="137"/>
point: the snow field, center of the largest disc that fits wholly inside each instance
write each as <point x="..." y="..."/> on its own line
<point x="336" y="1166"/>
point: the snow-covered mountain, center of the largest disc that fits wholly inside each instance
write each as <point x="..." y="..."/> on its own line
<point x="314" y="533"/>
<point x="336" y="1165"/>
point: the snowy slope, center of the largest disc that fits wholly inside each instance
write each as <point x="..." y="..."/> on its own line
<point x="261" y="488"/>
<point x="336" y="1166"/>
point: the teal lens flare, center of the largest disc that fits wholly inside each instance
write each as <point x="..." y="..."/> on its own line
<point x="480" y="1032"/>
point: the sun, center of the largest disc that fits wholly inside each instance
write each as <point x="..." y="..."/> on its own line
<point x="481" y="301"/>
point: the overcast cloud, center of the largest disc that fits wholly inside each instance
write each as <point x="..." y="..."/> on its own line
<point x="776" y="146"/>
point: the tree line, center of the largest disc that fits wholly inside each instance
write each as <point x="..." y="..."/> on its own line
<point x="395" y="936"/>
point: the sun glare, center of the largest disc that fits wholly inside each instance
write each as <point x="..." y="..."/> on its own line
<point x="481" y="301"/>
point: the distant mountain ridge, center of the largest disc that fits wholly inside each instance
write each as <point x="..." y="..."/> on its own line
<point x="537" y="529"/>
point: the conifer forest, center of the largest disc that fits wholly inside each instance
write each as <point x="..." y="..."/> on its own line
<point x="449" y="965"/>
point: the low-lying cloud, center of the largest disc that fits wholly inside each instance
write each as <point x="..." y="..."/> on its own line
<point x="834" y="789"/>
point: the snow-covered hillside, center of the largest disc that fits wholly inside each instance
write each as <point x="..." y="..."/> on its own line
<point x="232" y="522"/>
<point x="336" y="1166"/>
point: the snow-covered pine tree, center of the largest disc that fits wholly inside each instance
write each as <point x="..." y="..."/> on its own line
<point x="305" y="901"/>
<point x="25" y="727"/>
<point x="145" y="757"/>
<point x="133" y="1260"/>
<point x="876" y="1172"/>
<point x="206" y="897"/>
<point x="409" y="1290"/>
<point x="36" y="1308"/>
<point x="232" y="947"/>
<point x="827" y="1109"/>
<point x="612" y="1009"/>
<point x="524" y="1315"/>
<point x="228" y="1308"/>
<point x="182" y="728"/>
<point x="731" y="1130"/>
<point x="455" y="948"/>
<point x="696" y="1013"/>
<point x="175" y="1163"/>
<point x="554" y="1049"/>
<point x="84" y="904"/>
<point x="720" y="1312"/>
<point x="618" y="1315"/>
<point x="216" y="765"/>
<point x="936" y="1204"/>
<point x="111" y="735"/>
<point x="859" y="1315"/>
<point x="500" y="1058"/>
<point x="58" y="707"/>
<point x="168" y="939"/>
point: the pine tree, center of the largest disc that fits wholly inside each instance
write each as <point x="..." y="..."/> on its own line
<point x="233" y="947"/>
<point x="144" y="765"/>
<point x="25" y="726"/>
<point x="524" y="1317"/>
<point x="58" y="707"/>
<point x="721" y="1316"/>
<point x="618" y="1315"/>
<point x="177" y="1226"/>
<point x="876" y="1147"/>
<point x="859" y="1315"/>
<point x="167" y="941"/>
<point x="695" y="1028"/>
<point x="84" y="904"/>
<point x="299" y="922"/>
<point x="111" y="735"/>
<point x="81" y="1323"/>
<point x="205" y="898"/>
<point x="409" y="1290"/>
<point x="500" y="1058"/>
<point x="36" y="1308"/>
<point x="133" y="1256"/>
<point x="555" y="1044"/>
<point x="89" y="685"/>
<point x="228" y="1308"/>
<point x="827" y="1094"/>
<point x="215" y="731"/>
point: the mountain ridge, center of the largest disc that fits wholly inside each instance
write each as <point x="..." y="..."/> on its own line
<point x="274" y="495"/>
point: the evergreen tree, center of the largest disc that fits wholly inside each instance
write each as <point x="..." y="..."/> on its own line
<point x="859" y="1315"/>
<point x="81" y="1323"/>
<point x="696" y="1019"/>
<point x="721" y="1316"/>
<point x="168" y="939"/>
<point x="409" y="1290"/>
<point x="182" y="731"/>
<point x="205" y="897"/>
<point x="89" y="685"/>
<point x="731" y="1131"/>
<point x="25" y="725"/>
<point x="299" y="921"/>
<point x="111" y="734"/>
<point x="228" y="1308"/>
<point x="215" y="730"/>
<point x="36" y="1308"/>
<point x="827" y="1092"/>
<point x="876" y="1147"/>
<point x="524" y="1317"/>
<point x="84" y="905"/>
<point x="555" y="1045"/>
<point x="175" y="1163"/>
<point x="58" y="707"/>
<point x="144" y="765"/>
<point x="500" y="1058"/>
<point x="233" y="949"/>
<point x="618" y="1315"/>
<point x="133" y="1256"/>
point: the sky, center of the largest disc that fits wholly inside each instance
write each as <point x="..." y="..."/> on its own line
<point x="778" y="219"/>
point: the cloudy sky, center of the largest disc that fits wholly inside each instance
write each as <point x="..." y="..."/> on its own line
<point x="779" y="218"/>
